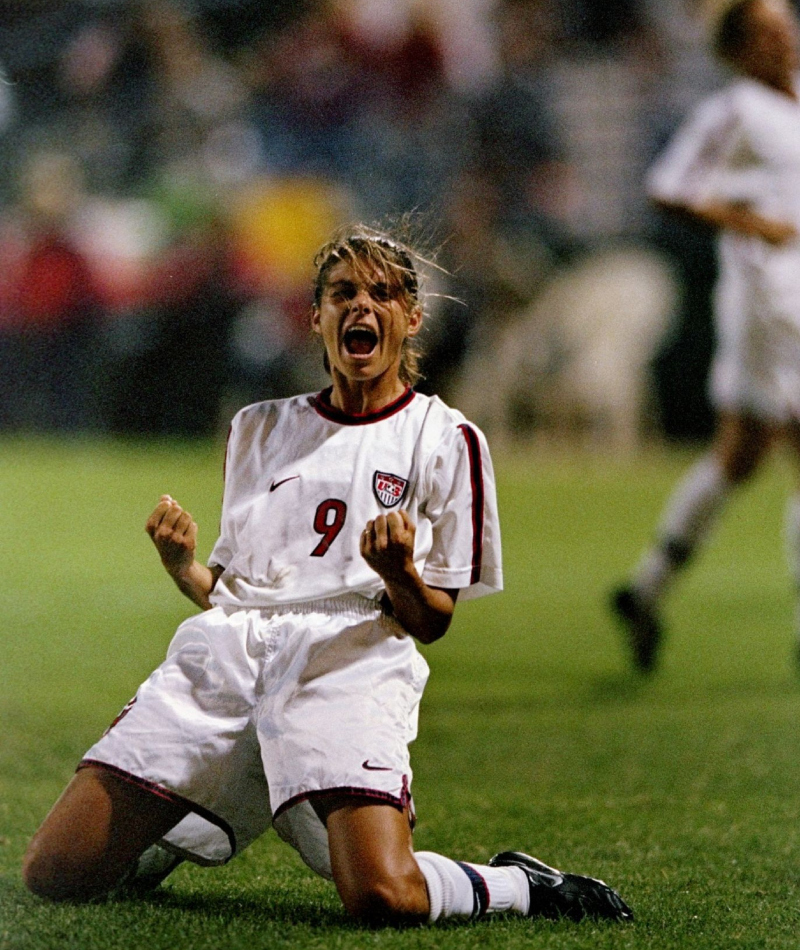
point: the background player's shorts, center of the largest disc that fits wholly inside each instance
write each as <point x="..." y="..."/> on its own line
<point x="254" y="713"/>
<point x="756" y="366"/>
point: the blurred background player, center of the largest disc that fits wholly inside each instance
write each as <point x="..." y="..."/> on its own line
<point x="352" y="520"/>
<point x="735" y="166"/>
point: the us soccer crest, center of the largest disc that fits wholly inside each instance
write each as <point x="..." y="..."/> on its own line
<point x="389" y="489"/>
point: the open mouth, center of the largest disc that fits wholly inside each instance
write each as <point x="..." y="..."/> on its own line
<point x="360" y="341"/>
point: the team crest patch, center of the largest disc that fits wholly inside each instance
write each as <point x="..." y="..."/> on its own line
<point x="389" y="489"/>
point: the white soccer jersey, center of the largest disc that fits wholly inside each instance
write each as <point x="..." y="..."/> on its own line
<point x="256" y="712"/>
<point x="743" y="145"/>
<point x="303" y="479"/>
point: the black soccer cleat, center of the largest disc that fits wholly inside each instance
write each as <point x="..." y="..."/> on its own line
<point x="642" y="625"/>
<point x="555" y="894"/>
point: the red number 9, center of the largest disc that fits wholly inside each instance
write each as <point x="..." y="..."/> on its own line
<point x="326" y="526"/>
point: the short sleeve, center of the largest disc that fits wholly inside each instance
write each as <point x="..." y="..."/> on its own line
<point x="461" y="505"/>
<point x="692" y="169"/>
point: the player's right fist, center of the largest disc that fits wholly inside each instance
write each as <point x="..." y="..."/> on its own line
<point x="174" y="534"/>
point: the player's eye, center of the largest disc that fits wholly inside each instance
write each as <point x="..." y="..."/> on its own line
<point x="380" y="292"/>
<point x="343" y="291"/>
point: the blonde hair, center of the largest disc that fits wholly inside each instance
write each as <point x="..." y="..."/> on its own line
<point x="366" y="249"/>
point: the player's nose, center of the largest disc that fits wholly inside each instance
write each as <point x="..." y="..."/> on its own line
<point x="362" y="301"/>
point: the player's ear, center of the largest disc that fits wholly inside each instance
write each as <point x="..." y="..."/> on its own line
<point x="414" y="322"/>
<point x="315" y="318"/>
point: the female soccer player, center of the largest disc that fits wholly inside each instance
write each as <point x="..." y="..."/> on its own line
<point x="351" y="522"/>
<point x="736" y="167"/>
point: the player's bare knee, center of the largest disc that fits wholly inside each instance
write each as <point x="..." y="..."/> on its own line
<point x="35" y="875"/>
<point x="45" y="876"/>
<point x="57" y="877"/>
<point x="397" y="901"/>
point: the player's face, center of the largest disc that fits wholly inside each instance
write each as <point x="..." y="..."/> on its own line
<point x="770" y="52"/>
<point x="363" y="320"/>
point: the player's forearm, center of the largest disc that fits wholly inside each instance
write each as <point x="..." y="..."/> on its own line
<point x="425" y="612"/>
<point x="733" y="216"/>
<point x="196" y="582"/>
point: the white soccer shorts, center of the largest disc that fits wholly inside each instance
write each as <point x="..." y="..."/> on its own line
<point x="255" y="712"/>
<point x="756" y="366"/>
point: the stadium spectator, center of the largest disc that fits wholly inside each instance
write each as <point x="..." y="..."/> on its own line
<point x="496" y="266"/>
<point x="51" y="307"/>
<point x="516" y="131"/>
<point x="191" y="302"/>
<point x="735" y="166"/>
<point x="352" y="521"/>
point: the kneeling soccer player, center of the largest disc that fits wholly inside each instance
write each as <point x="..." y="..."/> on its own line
<point x="351" y="521"/>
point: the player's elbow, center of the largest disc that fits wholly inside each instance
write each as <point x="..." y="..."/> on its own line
<point x="432" y="632"/>
<point x="440" y="615"/>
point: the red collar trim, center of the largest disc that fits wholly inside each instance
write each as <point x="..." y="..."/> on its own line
<point x="322" y="403"/>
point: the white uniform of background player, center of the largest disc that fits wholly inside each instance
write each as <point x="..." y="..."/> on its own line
<point x="735" y="165"/>
<point x="743" y="146"/>
<point x="268" y="688"/>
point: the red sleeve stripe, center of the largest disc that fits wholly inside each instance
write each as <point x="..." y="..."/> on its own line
<point x="476" y="477"/>
<point x="225" y="473"/>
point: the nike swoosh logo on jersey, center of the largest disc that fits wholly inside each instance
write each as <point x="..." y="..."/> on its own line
<point x="374" y="768"/>
<point x="283" y="481"/>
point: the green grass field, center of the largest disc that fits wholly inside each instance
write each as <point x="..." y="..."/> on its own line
<point x="682" y="790"/>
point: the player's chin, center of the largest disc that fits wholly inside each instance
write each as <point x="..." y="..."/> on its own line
<point x="360" y="367"/>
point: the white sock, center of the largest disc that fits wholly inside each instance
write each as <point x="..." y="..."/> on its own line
<point x="792" y="536"/>
<point x="687" y="520"/>
<point x="458" y="889"/>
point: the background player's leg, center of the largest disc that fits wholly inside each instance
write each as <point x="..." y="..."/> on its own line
<point x="94" y="834"/>
<point x="700" y="497"/>
<point x="688" y="518"/>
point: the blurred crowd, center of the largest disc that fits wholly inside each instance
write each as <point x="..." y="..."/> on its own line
<point x="168" y="168"/>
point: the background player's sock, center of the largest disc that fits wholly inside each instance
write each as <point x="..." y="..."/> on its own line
<point x="458" y="889"/>
<point x="687" y="520"/>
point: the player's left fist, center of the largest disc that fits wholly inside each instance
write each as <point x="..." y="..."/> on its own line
<point x="387" y="543"/>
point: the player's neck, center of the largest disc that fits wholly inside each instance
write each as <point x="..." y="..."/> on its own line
<point x="357" y="398"/>
<point x="779" y="80"/>
<point x="784" y="85"/>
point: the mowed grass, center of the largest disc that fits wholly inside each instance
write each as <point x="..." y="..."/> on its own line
<point x="683" y="790"/>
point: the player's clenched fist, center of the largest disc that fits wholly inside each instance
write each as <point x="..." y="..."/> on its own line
<point x="174" y="534"/>
<point x="387" y="543"/>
